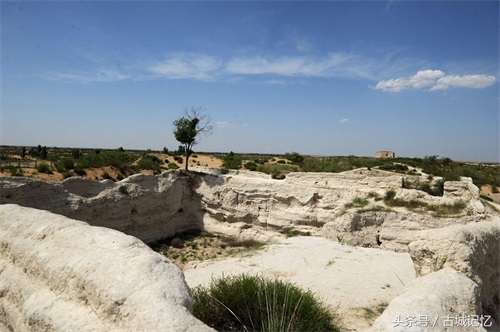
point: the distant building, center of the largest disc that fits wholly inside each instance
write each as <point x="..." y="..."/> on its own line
<point x="385" y="154"/>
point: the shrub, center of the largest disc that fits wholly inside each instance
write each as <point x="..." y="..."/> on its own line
<point x="149" y="162"/>
<point x="107" y="176"/>
<point x="389" y="195"/>
<point x="251" y="166"/>
<point x="254" y="303"/>
<point x="44" y="168"/>
<point x="232" y="161"/>
<point x="80" y="171"/>
<point x="67" y="174"/>
<point x="14" y="171"/>
<point x="114" y="158"/>
<point x="277" y="171"/>
<point x="173" y="166"/>
<point x="65" y="163"/>
<point x="294" y="157"/>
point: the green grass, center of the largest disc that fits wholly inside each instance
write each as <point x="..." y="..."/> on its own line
<point x="254" y="303"/>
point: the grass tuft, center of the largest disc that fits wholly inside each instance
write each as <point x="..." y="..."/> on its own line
<point x="253" y="303"/>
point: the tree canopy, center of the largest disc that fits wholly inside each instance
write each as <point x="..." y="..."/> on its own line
<point x="189" y="127"/>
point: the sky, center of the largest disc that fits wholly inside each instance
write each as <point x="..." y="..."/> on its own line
<point x="330" y="78"/>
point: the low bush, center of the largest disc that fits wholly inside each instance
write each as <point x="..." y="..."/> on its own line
<point x="251" y="166"/>
<point x="253" y="303"/>
<point x="14" y="171"/>
<point x="232" y="161"/>
<point x="389" y="195"/>
<point x="65" y="164"/>
<point x="149" y="162"/>
<point x="107" y="176"/>
<point x="80" y="171"/>
<point x="43" y="168"/>
<point x="294" y="157"/>
<point x="173" y="166"/>
<point x="98" y="159"/>
<point x="277" y="171"/>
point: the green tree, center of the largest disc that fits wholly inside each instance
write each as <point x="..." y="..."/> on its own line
<point x="76" y="154"/>
<point x="43" y="153"/>
<point x="189" y="127"/>
<point x="294" y="157"/>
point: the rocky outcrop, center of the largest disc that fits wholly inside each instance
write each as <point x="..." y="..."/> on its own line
<point x="473" y="249"/>
<point x="58" y="274"/>
<point x="433" y="303"/>
<point x="146" y="206"/>
<point x="248" y="203"/>
<point x="316" y="203"/>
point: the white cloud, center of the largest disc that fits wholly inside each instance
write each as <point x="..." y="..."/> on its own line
<point x="465" y="81"/>
<point x="187" y="66"/>
<point x="100" y="75"/>
<point x="435" y="80"/>
<point x="344" y="120"/>
<point x="223" y="124"/>
<point x="333" y="65"/>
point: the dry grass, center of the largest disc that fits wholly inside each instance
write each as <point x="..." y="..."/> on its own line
<point x="200" y="246"/>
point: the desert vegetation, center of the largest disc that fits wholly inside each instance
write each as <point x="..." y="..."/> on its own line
<point x="254" y="303"/>
<point x="201" y="245"/>
<point x="427" y="174"/>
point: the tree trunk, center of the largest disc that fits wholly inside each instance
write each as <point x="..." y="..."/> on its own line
<point x="188" y="148"/>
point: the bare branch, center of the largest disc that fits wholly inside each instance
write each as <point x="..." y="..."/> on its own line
<point x="203" y="121"/>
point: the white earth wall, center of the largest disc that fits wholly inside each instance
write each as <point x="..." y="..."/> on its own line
<point x="58" y="274"/>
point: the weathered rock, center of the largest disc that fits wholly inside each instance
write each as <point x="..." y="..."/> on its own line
<point x="155" y="207"/>
<point x="58" y="274"/>
<point x="432" y="303"/>
<point x="473" y="249"/>
<point x="146" y="206"/>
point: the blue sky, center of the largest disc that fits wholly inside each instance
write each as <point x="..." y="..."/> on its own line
<point x="319" y="78"/>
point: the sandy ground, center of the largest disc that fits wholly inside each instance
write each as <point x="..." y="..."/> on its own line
<point x="347" y="278"/>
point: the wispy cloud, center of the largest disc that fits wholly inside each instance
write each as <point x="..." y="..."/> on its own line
<point x="99" y="75"/>
<point x="344" y="120"/>
<point x="332" y="65"/>
<point x="278" y="70"/>
<point x="203" y="67"/>
<point x="436" y="80"/>
<point x="223" y="124"/>
<point x="187" y="66"/>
